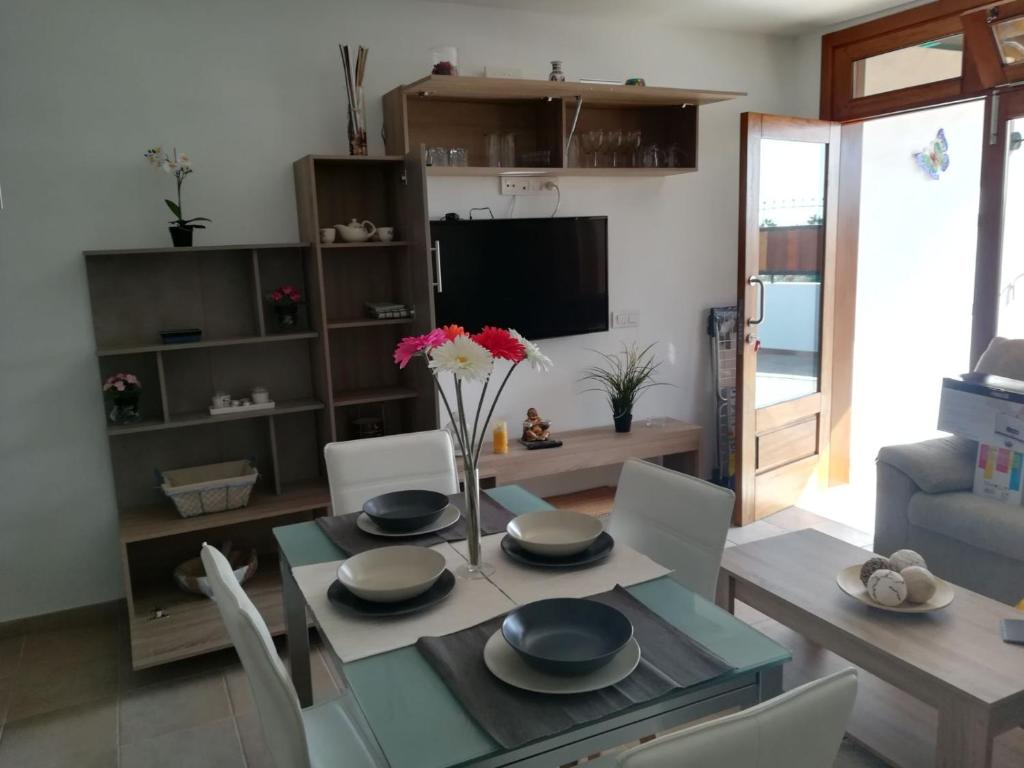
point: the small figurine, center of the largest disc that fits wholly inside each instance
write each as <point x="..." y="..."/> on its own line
<point x="535" y="429"/>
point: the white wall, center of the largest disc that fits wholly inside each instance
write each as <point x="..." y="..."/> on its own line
<point x="246" y="88"/>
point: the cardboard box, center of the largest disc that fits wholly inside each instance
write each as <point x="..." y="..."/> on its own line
<point x="989" y="409"/>
<point x="997" y="473"/>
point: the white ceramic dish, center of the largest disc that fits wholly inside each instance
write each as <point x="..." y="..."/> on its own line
<point x="849" y="581"/>
<point x="509" y="667"/>
<point x="391" y="574"/>
<point x="555" y="532"/>
<point x="447" y="519"/>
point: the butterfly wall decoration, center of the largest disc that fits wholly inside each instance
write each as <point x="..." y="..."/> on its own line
<point x="934" y="159"/>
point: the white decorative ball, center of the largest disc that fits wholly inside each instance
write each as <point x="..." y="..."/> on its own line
<point x="905" y="558"/>
<point x="921" y="584"/>
<point x="887" y="587"/>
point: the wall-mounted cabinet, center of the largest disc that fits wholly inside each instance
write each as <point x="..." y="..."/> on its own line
<point x="543" y="117"/>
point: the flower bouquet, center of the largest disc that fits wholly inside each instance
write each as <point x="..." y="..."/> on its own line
<point x="285" y="301"/>
<point x="181" y="166"/>
<point x="471" y="357"/>
<point x="125" y="391"/>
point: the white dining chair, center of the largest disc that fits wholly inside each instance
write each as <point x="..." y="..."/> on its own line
<point x="358" y="470"/>
<point x="316" y="737"/>
<point x="799" y="729"/>
<point x="677" y="520"/>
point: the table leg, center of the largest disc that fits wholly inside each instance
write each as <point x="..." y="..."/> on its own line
<point x="964" y="738"/>
<point x="298" y="634"/>
<point x="769" y="683"/>
<point x="725" y="592"/>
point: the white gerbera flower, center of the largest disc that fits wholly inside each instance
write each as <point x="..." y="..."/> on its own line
<point x="184" y="161"/>
<point x="463" y="357"/>
<point x="537" y="359"/>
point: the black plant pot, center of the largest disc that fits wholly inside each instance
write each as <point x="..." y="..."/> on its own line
<point x="623" y="422"/>
<point x="181" y="236"/>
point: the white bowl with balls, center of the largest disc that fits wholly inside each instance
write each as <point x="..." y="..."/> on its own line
<point x="900" y="583"/>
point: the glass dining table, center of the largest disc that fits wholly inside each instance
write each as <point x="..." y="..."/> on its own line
<point x="410" y="718"/>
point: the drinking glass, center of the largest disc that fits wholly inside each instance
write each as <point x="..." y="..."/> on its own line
<point x="437" y="156"/>
<point x="614" y="140"/>
<point x="654" y="156"/>
<point x="673" y="156"/>
<point x="493" y="143"/>
<point x="508" y="150"/>
<point x="457" y="157"/>
<point x="592" y="143"/>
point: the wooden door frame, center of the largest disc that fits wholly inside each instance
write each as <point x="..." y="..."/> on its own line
<point x="753" y="128"/>
<point x="999" y="108"/>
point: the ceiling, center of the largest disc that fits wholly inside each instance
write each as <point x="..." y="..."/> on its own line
<point x="782" y="17"/>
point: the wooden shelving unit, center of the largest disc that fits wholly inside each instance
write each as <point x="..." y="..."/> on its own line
<point x="221" y="289"/>
<point x="355" y="352"/>
<point x="461" y="111"/>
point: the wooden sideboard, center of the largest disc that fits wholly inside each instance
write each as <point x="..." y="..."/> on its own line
<point x="676" y="442"/>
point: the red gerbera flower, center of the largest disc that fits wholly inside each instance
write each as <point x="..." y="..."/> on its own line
<point x="500" y="343"/>
<point x="453" y="331"/>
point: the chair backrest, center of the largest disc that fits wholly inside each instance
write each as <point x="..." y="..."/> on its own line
<point x="276" y="701"/>
<point x="799" y="729"/>
<point x="676" y="520"/>
<point x="358" y="470"/>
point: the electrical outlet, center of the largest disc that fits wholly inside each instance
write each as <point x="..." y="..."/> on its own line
<point x="625" y="319"/>
<point x="523" y="185"/>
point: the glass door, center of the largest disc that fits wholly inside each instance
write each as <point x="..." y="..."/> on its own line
<point x="786" y="270"/>
<point x="1010" y="320"/>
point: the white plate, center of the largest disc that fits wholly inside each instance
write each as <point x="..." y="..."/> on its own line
<point x="447" y="519"/>
<point x="509" y="667"/>
<point x="555" y="532"/>
<point x="391" y="574"/>
<point x="849" y="581"/>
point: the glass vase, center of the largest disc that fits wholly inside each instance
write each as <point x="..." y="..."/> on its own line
<point x="475" y="567"/>
<point x="125" y="408"/>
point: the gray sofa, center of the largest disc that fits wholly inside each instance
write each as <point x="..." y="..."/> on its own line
<point x="925" y="503"/>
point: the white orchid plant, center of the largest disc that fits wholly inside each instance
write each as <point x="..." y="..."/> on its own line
<point x="181" y="166"/>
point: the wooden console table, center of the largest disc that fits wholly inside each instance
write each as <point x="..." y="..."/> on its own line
<point x="677" y="442"/>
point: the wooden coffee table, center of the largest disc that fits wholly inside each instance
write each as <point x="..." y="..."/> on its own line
<point x="953" y="660"/>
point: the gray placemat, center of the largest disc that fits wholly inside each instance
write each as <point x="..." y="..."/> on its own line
<point x="351" y="539"/>
<point x="669" y="660"/>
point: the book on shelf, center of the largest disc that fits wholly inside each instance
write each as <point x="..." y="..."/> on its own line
<point x="389" y="311"/>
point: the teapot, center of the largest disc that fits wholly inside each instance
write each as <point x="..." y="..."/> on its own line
<point x="356" y="231"/>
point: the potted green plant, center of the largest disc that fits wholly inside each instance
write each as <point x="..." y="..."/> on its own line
<point x="181" y="166"/>
<point x="622" y="379"/>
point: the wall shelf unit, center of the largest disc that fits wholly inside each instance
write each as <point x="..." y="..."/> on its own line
<point x="221" y="289"/>
<point x="355" y="352"/>
<point x="460" y="111"/>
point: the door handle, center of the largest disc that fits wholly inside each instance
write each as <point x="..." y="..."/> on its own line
<point x="755" y="280"/>
<point x="438" y="280"/>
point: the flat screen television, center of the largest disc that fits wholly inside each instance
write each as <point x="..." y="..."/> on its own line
<point x="543" y="277"/>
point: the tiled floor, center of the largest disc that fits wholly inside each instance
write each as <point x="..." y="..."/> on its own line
<point x="69" y="698"/>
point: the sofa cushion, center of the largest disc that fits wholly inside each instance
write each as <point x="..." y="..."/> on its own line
<point x="976" y="520"/>
<point x="1003" y="357"/>
<point x="937" y="466"/>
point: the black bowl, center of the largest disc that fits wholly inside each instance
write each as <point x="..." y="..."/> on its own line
<point x="401" y="511"/>
<point x="567" y="636"/>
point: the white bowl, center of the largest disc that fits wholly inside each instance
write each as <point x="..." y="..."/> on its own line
<point x="555" y="532"/>
<point x="391" y="574"/>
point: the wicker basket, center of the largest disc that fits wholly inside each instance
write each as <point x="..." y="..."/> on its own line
<point x="210" y="487"/>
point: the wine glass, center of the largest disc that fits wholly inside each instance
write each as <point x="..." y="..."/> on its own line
<point x="614" y="140"/>
<point x="633" y="141"/>
<point x="592" y="143"/>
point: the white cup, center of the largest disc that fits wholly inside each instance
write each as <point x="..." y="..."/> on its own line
<point x="260" y="395"/>
<point x="327" y="235"/>
<point x="385" y="234"/>
<point x="221" y="400"/>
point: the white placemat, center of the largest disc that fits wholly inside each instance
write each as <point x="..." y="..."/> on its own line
<point x="356" y="637"/>
<point x="525" y="584"/>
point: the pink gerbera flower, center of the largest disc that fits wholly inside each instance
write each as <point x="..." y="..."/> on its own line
<point x="411" y="346"/>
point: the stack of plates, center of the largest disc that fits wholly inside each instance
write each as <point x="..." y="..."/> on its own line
<point x="392" y="581"/>
<point x="562" y="646"/>
<point x="407" y="513"/>
<point x="556" y="539"/>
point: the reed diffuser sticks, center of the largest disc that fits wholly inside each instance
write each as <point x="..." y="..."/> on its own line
<point x="354" y="91"/>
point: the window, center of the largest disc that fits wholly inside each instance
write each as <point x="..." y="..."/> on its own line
<point x="918" y="64"/>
